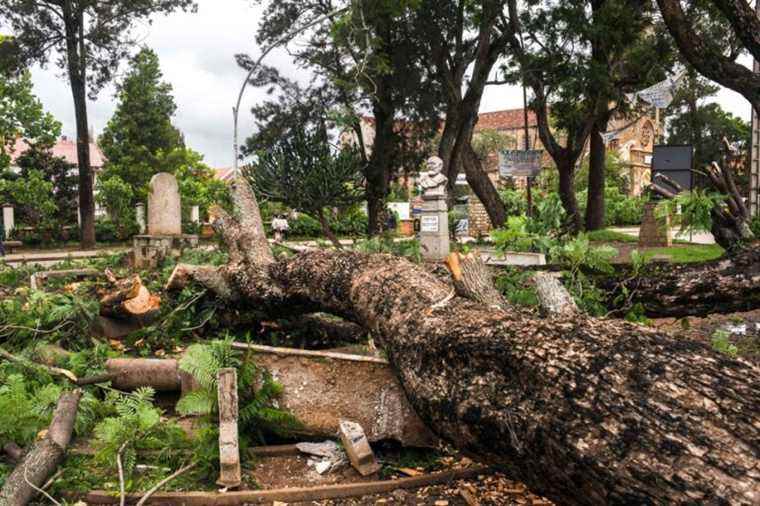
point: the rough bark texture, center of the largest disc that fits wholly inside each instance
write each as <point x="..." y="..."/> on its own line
<point x="474" y="280"/>
<point x="43" y="459"/>
<point x="726" y="285"/>
<point x="718" y="67"/>
<point x="583" y="411"/>
<point x="596" y="178"/>
<point x="553" y="296"/>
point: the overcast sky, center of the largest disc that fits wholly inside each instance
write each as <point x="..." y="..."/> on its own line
<point x="197" y="57"/>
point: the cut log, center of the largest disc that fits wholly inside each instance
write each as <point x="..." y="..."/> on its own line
<point x="132" y="373"/>
<point x="229" y="449"/>
<point x="45" y="456"/>
<point x="584" y="411"/>
<point x="129" y="299"/>
<point x="473" y="279"/>
<point x="553" y="297"/>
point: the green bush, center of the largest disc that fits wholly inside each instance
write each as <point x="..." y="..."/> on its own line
<point x="304" y="226"/>
<point x="106" y="230"/>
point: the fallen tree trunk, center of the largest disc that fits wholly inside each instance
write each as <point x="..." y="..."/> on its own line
<point x="584" y="411"/>
<point x="43" y="459"/>
<point x="727" y="285"/>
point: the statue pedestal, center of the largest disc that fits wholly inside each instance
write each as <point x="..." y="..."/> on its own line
<point x="150" y="250"/>
<point x="434" y="228"/>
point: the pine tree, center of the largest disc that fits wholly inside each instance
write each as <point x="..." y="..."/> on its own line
<point x="141" y="127"/>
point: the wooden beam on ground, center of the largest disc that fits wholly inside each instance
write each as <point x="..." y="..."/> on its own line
<point x="291" y="495"/>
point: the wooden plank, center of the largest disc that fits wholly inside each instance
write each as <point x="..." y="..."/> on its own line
<point x="229" y="449"/>
<point x="308" y="353"/>
<point x="296" y="494"/>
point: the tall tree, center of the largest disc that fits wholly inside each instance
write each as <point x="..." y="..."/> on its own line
<point x="22" y="115"/>
<point x="580" y="58"/>
<point x="372" y="63"/>
<point x="461" y="35"/>
<point x="712" y="34"/>
<point x="711" y="124"/>
<point x="685" y="110"/>
<point x="141" y="126"/>
<point x="91" y="37"/>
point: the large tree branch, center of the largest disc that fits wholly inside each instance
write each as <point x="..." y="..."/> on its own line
<point x="711" y="65"/>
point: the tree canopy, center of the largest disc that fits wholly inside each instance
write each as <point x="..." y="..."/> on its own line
<point x="140" y="128"/>
<point x="22" y="115"/>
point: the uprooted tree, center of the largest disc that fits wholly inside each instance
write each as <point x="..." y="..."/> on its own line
<point x="583" y="410"/>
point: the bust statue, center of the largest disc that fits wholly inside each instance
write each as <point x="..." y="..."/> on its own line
<point x="433" y="183"/>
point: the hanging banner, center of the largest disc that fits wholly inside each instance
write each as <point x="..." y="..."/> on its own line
<point x="661" y="94"/>
<point x="513" y="163"/>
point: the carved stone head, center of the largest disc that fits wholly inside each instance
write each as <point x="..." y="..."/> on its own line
<point x="435" y="164"/>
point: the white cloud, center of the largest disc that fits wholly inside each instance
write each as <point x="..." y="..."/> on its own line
<point x="197" y="58"/>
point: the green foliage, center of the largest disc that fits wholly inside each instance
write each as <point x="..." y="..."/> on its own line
<point x="515" y="236"/>
<point x="257" y="392"/>
<point x="754" y="225"/>
<point x="607" y="235"/>
<point x="303" y="171"/>
<point x="386" y="243"/>
<point x="721" y="343"/>
<point x="140" y="127"/>
<point x="696" y="207"/>
<point x="35" y="195"/>
<point x="33" y="314"/>
<point x="687" y="253"/>
<point x="488" y="141"/>
<point x="22" y="115"/>
<point x="578" y="257"/>
<point x="517" y="287"/>
<point x="25" y="408"/>
<point x="136" y="425"/>
<point x="198" y="185"/>
<point x="117" y="197"/>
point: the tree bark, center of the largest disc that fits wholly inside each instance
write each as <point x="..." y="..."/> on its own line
<point x="43" y="459"/>
<point x="583" y="411"/>
<point x="483" y="187"/>
<point x="727" y="285"/>
<point x="327" y="230"/>
<point x="719" y="67"/>
<point x="73" y="23"/>
<point x="566" y="169"/>
<point x="596" y="175"/>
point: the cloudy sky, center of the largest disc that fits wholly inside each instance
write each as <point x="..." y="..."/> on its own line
<point x="196" y="53"/>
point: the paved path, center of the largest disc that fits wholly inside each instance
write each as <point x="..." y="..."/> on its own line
<point x="697" y="238"/>
<point x="47" y="258"/>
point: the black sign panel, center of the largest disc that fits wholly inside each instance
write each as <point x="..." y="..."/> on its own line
<point x="674" y="162"/>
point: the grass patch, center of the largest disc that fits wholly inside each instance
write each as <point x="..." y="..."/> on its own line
<point x="607" y="235"/>
<point x="683" y="254"/>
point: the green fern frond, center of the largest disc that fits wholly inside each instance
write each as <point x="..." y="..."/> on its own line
<point x="198" y="402"/>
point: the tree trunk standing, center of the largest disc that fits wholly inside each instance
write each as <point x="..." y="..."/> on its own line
<point x="77" y="78"/>
<point x="566" y="169"/>
<point x="379" y="166"/>
<point x="584" y="411"/>
<point x="484" y="188"/>
<point x="596" y="174"/>
<point x="327" y="230"/>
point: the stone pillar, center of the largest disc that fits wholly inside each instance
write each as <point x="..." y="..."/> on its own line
<point x="434" y="229"/>
<point x="140" y="216"/>
<point x="8" y="220"/>
<point x="195" y="214"/>
<point x="164" y="209"/>
<point x="654" y="233"/>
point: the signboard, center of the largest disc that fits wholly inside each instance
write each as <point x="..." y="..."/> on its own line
<point x="674" y="162"/>
<point x="514" y="163"/>
<point x="429" y="224"/>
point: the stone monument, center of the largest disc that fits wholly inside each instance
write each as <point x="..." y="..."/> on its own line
<point x="434" y="219"/>
<point x="654" y="231"/>
<point x="164" y="235"/>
